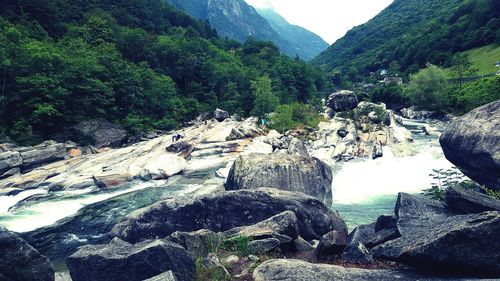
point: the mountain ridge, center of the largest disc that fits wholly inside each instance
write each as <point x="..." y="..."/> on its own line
<point x="239" y="20"/>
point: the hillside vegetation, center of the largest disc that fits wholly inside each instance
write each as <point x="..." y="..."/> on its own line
<point x="138" y="63"/>
<point x="411" y="33"/>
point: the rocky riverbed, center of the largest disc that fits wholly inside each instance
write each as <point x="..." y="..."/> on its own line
<point x="164" y="210"/>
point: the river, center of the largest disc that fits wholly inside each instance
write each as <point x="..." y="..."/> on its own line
<point x="57" y="223"/>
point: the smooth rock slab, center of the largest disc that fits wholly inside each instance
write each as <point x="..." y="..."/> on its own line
<point x="226" y="210"/>
<point x="471" y="142"/>
<point x="296" y="270"/>
<point x="122" y="261"/>
<point x="286" y="172"/>
<point x="20" y="261"/>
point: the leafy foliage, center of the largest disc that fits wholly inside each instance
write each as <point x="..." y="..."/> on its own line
<point x="139" y="63"/>
<point x="428" y="88"/>
<point x="442" y="180"/>
<point x="295" y="115"/>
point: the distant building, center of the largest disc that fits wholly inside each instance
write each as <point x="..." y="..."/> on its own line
<point x="497" y="64"/>
<point x="384" y="72"/>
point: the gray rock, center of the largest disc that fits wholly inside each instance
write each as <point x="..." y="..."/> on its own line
<point x="100" y="133"/>
<point x="283" y="226"/>
<point x="386" y="222"/>
<point x="179" y="147"/>
<point x="226" y="210"/>
<point x="331" y="244"/>
<point x="165" y="276"/>
<point x="20" y="261"/>
<point x="259" y="247"/>
<point x="297" y="147"/>
<point x="122" y="261"/>
<point x="469" y="201"/>
<point x="302" y="245"/>
<point x="357" y="253"/>
<point x="235" y="134"/>
<point x="286" y="172"/>
<point x="361" y="234"/>
<point x="471" y="143"/>
<point x="42" y="154"/>
<point x="462" y="243"/>
<point x="198" y="243"/>
<point x="212" y="262"/>
<point x="11" y="172"/>
<point x="409" y="206"/>
<point x="381" y="236"/>
<point x="8" y="161"/>
<point x="342" y="101"/>
<point x="221" y="115"/>
<point x="295" y="270"/>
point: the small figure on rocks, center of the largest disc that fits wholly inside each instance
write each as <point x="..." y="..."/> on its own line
<point x="176" y="137"/>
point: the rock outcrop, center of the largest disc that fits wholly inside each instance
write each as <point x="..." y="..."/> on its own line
<point x="20" y="261"/>
<point x="221" y="115"/>
<point x="224" y="211"/>
<point x="342" y="101"/>
<point x="296" y="270"/>
<point x="286" y="172"/>
<point x="434" y="237"/>
<point x="122" y="261"/>
<point x="471" y="142"/>
<point x="100" y="133"/>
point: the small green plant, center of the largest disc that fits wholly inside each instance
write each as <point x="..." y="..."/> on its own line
<point x="442" y="180"/>
<point x="238" y="245"/>
<point x="490" y="192"/>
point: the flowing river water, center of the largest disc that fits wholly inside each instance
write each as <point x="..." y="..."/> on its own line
<point x="57" y="223"/>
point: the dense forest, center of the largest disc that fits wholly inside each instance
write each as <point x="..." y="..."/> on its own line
<point x="411" y="33"/>
<point x="138" y="63"/>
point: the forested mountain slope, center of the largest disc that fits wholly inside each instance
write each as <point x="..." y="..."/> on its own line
<point x="410" y="33"/>
<point x="238" y="20"/>
<point x="138" y="63"/>
<point x="305" y="42"/>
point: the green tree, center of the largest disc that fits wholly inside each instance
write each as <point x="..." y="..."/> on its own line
<point x="428" y="88"/>
<point x="265" y="100"/>
<point x="461" y="68"/>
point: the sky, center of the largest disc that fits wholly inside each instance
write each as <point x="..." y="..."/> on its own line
<point x="330" y="19"/>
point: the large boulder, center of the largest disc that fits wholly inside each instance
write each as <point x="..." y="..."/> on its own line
<point x="286" y="172"/>
<point x="99" y="133"/>
<point x="226" y="210"/>
<point x="433" y="237"/>
<point x="221" y="115"/>
<point x="342" y="101"/>
<point x="44" y="153"/>
<point x="122" y="261"/>
<point x="20" y="261"/>
<point x="471" y="142"/>
<point x="296" y="270"/>
<point x="467" y="201"/>
<point x="163" y="167"/>
<point x="9" y="160"/>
